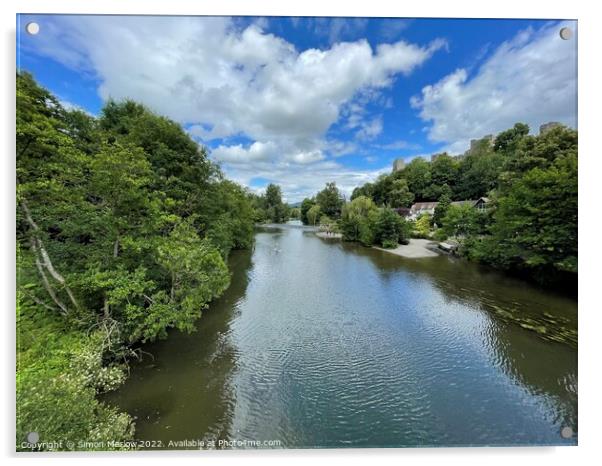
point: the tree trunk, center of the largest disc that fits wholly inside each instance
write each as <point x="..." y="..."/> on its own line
<point x="46" y="262"/>
<point x="107" y="309"/>
<point x="45" y="281"/>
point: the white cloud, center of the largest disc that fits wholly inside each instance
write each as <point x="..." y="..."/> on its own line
<point x="531" y="79"/>
<point x="306" y="182"/>
<point x="368" y="130"/>
<point x="339" y="148"/>
<point x="308" y="157"/>
<point x="223" y="81"/>
<point x="338" y="29"/>
<point x="258" y="151"/>
<point x="392" y="27"/>
<point x="204" y="71"/>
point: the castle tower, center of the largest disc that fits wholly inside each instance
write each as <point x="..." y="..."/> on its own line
<point x="548" y="126"/>
<point x="398" y="164"/>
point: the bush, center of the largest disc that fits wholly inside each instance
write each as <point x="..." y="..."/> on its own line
<point x="356" y="220"/>
<point x="389" y="244"/>
<point x="439" y="235"/>
<point x="388" y="228"/>
<point x="59" y="374"/>
<point x="422" y="227"/>
<point x="366" y="233"/>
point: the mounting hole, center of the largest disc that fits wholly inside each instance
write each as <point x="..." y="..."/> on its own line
<point x="32" y="28"/>
<point x="566" y="432"/>
<point x="566" y="33"/>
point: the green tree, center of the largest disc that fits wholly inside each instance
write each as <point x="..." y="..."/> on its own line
<point x="422" y="226"/>
<point x="478" y="175"/>
<point x="123" y="228"/>
<point x="330" y="200"/>
<point x="365" y="190"/>
<point x="400" y="195"/>
<point x="444" y="170"/>
<point x="539" y="152"/>
<point x="381" y="189"/>
<point x="273" y="195"/>
<point x="535" y="224"/>
<point x="418" y="175"/>
<point x="507" y="141"/>
<point x="276" y="210"/>
<point x="306" y="204"/>
<point x="313" y="214"/>
<point x="463" y="220"/>
<point x="388" y="228"/>
<point x="355" y="219"/>
<point x="441" y="209"/>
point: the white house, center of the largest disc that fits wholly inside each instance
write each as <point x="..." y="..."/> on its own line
<point x="420" y="208"/>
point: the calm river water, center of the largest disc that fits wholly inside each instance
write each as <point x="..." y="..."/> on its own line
<point x="319" y="343"/>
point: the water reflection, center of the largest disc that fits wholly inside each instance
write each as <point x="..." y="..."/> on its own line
<point x="327" y="344"/>
<point x="182" y="387"/>
<point x="546" y="366"/>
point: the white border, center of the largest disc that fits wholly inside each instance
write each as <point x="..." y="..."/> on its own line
<point x="590" y="145"/>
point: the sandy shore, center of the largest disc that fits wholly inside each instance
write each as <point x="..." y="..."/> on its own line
<point x="322" y="234"/>
<point x="415" y="249"/>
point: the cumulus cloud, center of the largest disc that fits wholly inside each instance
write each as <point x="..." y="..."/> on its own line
<point x="205" y="71"/>
<point x="370" y="129"/>
<point x="305" y="182"/>
<point x="258" y="151"/>
<point x="222" y="80"/>
<point x="531" y="78"/>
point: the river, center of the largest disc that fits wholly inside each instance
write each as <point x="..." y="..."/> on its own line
<point x="319" y="343"/>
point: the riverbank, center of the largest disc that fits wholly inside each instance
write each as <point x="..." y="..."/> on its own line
<point x="323" y="234"/>
<point x="415" y="249"/>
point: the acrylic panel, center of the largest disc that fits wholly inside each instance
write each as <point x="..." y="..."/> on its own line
<point x="281" y="232"/>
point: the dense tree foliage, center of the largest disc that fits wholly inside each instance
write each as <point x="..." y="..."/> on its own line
<point x="364" y="222"/>
<point x="534" y="227"/>
<point x="304" y="209"/>
<point x="269" y="206"/>
<point x="356" y="220"/>
<point x="529" y="225"/>
<point x="123" y="229"/>
<point x="390" y="229"/>
<point x="442" y="208"/>
<point x="327" y="202"/>
<point x="313" y="214"/>
<point x="330" y="200"/>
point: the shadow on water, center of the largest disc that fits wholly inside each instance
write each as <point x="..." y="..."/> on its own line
<point x="551" y="315"/>
<point x="519" y="310"/>
<point x="180" y="389"/>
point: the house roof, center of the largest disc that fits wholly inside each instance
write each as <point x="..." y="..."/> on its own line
<point x="423" y="206"/>
<point x="431" y="205"/>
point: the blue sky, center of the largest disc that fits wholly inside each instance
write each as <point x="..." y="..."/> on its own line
<point x="304" y="101"/>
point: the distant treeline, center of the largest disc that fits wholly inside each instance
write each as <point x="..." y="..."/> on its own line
<point x="123" y="230"/>
<point x="529" y="226"/>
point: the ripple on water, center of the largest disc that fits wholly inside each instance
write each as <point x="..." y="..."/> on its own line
<point x="333" y="345"/>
